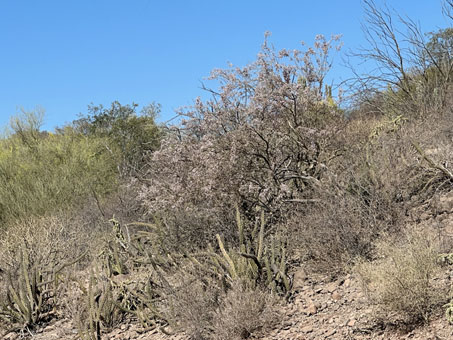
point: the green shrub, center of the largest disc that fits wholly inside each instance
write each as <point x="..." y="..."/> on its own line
<point x="52" y="172"/>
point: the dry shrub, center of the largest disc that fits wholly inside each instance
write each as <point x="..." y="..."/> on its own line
<point x="36" y="255"/>
<point x="400" y="165"/>
<point x="339" y="229"/>
<point x="264" y="139"/>
<point x="401" y="283"/>
<point x="192" y="307"/>
<point x="243" y="312"/>
<point x="59" y="237"/>
<point x="205" y="308"/>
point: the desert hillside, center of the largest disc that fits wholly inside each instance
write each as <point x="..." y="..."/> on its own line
<point x="278" y="207"/>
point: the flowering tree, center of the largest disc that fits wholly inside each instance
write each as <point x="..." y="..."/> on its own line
<point x="264" y="139"/>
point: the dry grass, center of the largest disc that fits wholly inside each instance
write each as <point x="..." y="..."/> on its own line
<point x="244" y="312"/>
<point x="341" y="228"/>
<point x="204" y="311"/>
<point x="401" y="283"/>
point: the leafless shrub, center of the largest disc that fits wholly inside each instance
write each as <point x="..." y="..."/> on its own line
<point x="334" y="233"/>
<point x="204" y="310"/>
<point x="410" y="70"/>
<point x="191" y="304"/>
<point x="244" y="312"/>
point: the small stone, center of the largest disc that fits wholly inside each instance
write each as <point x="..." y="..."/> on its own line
<point x="307" y="329"/>
<point x="331" y="287"/>
<point x="347" y="283"/>
<point x="351" y="323"/>
<point x="311" y="309"/>
<point x="330" y="333"/>
<point x="299" y="279"/>
<point x="336" y="296"/>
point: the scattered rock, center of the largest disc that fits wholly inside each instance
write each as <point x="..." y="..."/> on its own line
<point x="351" y="323"/>
<point x="307" y="329"/>
<point x="336" y="296"/>
<point x="311" y="309"/>
<point x="331" y="287"/>
<point x="330" y="333"/>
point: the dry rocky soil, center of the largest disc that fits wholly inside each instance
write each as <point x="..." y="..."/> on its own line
<point x="319" y="307"/>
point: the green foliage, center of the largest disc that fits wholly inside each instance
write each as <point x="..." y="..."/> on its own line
<point x="45" y="172"/>
<point x="440" y="46"/>
<point x="130" y="136"/>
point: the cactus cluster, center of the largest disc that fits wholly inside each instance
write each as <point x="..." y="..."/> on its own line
<point x="31" y="294"/>
<point x="27" y="297"/>
<point x="136" y="278"/>
<point x="121" y="287"/>
<point x="257" y="259"/>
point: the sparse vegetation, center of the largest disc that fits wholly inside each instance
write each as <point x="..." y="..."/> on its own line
<point x="198" y="227"/>
<point x="401" y="282"/>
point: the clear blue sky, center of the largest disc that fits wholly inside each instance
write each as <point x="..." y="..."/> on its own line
<point x="64" y="55"/>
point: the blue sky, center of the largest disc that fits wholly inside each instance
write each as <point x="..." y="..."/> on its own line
<point x="64" y="55"/>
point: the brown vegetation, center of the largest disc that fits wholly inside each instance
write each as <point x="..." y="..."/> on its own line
<point x="197" y="228"/>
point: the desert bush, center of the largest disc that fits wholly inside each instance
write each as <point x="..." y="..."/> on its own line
<point x="391" y="166"/>
<point x="339" y="229"/>
<point x="407" y="162"/>
<point x="192" y="306"/>
<point x="224" y="294"/>
<point x="35" y="255"/>
<point x="131" y="136"/>
<point x="204" y="310"/>
<point x="43" y="173"/>
<point x="259" y="259"/>
<point x="409" y="71"/>
<point x="265" y="139"/>
<point x="244" y="312"/>
<point x="158" y="286"/>
<point x="400" y="282"/>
